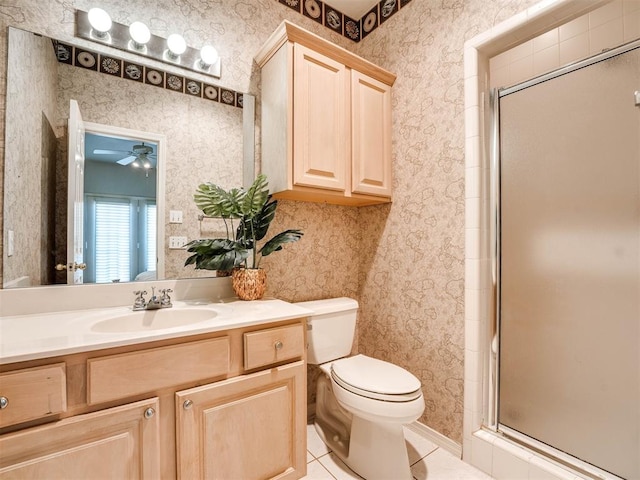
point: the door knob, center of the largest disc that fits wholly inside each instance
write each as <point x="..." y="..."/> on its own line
<point x="72" y="266"/>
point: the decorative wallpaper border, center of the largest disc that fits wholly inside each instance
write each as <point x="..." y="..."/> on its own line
<point x="337" y="21"/>
<point x="110" y="65"/>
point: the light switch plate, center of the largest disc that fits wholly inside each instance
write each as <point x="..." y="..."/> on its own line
<point x="175" y="216"/>
<point x="177" y="242"/>
<point x="10" y="243"/>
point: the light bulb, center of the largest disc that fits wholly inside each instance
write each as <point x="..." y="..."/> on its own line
<point x="208" y="56"/>
<point x="140" y="34"/>
<point x="100" y="21"/>
<point x="176" y="44"/>
<point x="135" y="164"/>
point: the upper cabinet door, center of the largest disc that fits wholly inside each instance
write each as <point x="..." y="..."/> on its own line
<point x="371" y="130"/>
<point x="321" y="128"/>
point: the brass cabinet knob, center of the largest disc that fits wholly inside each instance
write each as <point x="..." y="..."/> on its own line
<point x="278" y="345"/>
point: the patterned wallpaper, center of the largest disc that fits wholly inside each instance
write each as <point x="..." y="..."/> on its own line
<point x="32" y="94"/>
<point x="411" y="279"/>
<point x="404" y="261"/>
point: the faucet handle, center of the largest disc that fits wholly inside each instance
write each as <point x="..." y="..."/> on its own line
<point x="165" y="299"/>
<point x="139" y="302"/>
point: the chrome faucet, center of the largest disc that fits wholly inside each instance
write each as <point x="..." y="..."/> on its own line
<point x="154" y="302"/>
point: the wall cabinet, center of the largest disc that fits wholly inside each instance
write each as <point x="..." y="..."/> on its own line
<point x="326" y="121"/>
<point x="226" y="405"/>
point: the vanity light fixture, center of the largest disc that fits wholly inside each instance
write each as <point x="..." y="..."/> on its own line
<point x="100" y="22"/>
<point x="140" y="36"/>
<point x="176" y="46"/>
<point x="97" y="26"/>
<point x="208" y="57"/>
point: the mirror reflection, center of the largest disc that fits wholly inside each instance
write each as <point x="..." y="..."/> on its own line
<point x="203" y="142"/>
<point x="119" y="209"/>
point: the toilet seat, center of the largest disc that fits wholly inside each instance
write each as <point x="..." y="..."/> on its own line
<point x="375" y="379"/>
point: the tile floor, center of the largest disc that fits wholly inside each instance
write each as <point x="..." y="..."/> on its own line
<point x="428" y="462"/>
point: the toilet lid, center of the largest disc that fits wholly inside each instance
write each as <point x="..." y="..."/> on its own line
<point x="376" y="379"/>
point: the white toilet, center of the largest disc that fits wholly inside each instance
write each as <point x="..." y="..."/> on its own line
<point x="361" y="402"/>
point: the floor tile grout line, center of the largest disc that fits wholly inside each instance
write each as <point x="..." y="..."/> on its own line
<point x="422" y="458"/>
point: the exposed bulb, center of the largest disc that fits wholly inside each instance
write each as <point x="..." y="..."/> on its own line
<point x="208" y="56"/>
<point x="100" y="21"/>
<point x="176" y="44"/>
<point x="140" y="34"/>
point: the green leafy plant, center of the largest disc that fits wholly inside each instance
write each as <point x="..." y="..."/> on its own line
<point x="247" y="215"/>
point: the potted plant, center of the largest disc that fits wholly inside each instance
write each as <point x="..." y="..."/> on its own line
<point x="247" y="215"/>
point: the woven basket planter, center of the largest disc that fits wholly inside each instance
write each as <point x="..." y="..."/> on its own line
<point x="249" y="283"/>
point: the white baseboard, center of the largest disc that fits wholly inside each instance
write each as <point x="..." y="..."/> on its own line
<point x="436" y="437"/>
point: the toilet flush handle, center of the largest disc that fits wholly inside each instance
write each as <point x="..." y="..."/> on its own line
<point x="278" y="345"/>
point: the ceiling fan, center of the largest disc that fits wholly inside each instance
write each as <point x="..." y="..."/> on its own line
<point x="138" y="156"/>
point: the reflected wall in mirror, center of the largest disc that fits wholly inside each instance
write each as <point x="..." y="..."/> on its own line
<point x="204" y="143"/>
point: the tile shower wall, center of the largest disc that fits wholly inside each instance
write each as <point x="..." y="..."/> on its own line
<point x="606" y="27"/>
<point x="405" y="261"/>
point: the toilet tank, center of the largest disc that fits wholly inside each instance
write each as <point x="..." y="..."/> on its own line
<point x="330" y="329"/>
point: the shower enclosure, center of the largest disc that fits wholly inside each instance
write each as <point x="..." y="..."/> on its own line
<point x="568" y="264"/>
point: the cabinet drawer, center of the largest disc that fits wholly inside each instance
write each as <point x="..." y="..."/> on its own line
<point x="128" y="374"/>
<point x="273" y="345"/>
<point x="33" y="393"/>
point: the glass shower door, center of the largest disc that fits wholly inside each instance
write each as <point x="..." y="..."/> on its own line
<point x="569" y="371"/>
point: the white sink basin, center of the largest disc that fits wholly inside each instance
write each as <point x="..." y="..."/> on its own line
<point x="146" y="320"/>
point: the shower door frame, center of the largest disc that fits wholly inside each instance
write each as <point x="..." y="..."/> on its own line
<point x="491" y="421"/>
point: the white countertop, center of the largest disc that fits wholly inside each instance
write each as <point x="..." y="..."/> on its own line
<point x="44" y="335"/>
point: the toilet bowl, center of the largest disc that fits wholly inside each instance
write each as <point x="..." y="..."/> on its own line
<point x="361" y="402"/>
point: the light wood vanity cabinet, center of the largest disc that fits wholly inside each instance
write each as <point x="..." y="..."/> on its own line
<point x="249" y="427"/>
<point x="223" y="405"/>
<point x="31" y="393"/>
<point x="326" y="121"/>
<point x="115" y="443"/>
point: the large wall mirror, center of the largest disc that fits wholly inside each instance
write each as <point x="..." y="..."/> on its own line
<point x="144" y="150"/>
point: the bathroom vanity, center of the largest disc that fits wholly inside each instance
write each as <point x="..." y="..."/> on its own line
<point x="107" y="395"/>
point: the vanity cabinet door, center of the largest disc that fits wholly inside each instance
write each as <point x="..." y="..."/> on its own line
<point x="250" y="427"/>
<point x="116" y="443"/>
